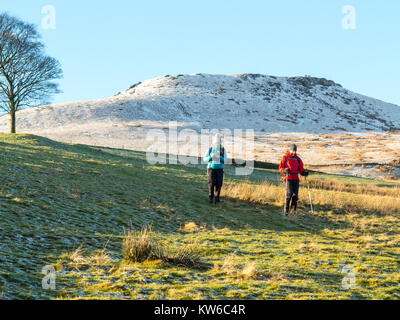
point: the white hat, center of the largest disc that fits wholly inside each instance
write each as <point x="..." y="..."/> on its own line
<point x="217" y="140"/>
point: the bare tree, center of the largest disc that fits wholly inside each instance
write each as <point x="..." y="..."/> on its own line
<point x="26" y="73"/>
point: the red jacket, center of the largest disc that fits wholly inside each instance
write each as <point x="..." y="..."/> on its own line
<point x="294" y="164"/>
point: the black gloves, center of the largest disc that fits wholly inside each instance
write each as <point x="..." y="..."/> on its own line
<point x="286" y="171"/>
<point x="305" y="173"/>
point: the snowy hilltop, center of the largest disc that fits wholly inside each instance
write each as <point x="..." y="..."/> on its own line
<point x="247" y="101"/>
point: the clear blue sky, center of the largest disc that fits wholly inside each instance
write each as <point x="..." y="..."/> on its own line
<point x="106" y="46"/>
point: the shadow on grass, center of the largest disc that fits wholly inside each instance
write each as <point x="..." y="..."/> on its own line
<point x="296" y="222"/>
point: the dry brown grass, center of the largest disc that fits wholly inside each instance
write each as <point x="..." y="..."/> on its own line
<point x="190" y="227"/>
<point x="336" y="143"/>
<point x="288" y="139"/>
<point x="368" y="199"/>
<point x="358" y="155"/>
<point x="79" y="260"/>
<point x="334" y="157"/>
<point x="327" y="136"/>
<point x="370" y="189"/>
<point x="324" y="144"/>
<point x="132" y="125"/>
<point x="76" y="256"/>
<point x="231" y="268"/>
<point x="249" y="271"/>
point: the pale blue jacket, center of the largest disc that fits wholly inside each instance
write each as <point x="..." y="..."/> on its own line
<point x="215" y="164"/>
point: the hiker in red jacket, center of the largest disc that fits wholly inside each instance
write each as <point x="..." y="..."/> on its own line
<point x="291" y="166"/>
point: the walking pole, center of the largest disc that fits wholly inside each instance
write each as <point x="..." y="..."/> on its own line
<point x="286" y="191"/>
<point x="309" y="193"/>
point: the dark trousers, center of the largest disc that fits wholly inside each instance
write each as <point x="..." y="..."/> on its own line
<point x="215" y="182"/>
<point x="292" y="194"/>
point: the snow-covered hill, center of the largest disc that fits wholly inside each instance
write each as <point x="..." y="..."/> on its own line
<point x="260" y="102"/>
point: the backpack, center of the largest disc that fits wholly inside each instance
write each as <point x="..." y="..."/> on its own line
<point x="287" y="159"/>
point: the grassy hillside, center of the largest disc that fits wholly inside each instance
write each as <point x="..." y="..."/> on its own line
<point x="69" y="205"/>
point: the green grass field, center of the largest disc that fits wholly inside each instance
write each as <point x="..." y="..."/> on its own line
<point x="68" y="206"/>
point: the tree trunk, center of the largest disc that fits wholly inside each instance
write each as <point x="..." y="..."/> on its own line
<point x="12" y="118"/>
<point x="12" y="113"/>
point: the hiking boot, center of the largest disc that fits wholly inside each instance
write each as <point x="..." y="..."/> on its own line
<point x="211" y="199"/>
<point x="285" y="213"/>
<point x="217" y="200"/>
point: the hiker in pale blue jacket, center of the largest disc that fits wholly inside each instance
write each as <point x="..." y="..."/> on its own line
<point x="215" y="157"/>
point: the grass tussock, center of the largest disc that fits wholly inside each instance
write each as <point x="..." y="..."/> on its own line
<point x="145" y="245"/>
<point x="138" y="246"/>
